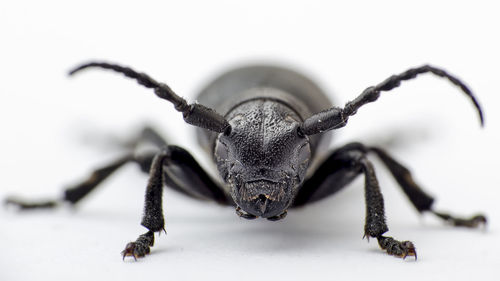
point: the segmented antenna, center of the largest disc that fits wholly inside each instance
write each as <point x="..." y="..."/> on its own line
<point x="194" y="114"/>
<point x="337" y="117"/>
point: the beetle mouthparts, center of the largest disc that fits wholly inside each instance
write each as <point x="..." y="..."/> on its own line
<point x="262" y="198"/>
<point x="245" y="215"/>
<point x="263" y="190"/>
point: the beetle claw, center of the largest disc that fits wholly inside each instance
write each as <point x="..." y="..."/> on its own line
<point x="140" y="247"/>
<point x="135" y="250"/>
<point x="367" y="236"/>
<point x="397" y="248"/>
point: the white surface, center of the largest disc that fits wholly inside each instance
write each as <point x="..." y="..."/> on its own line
<point x="52" y="126"/>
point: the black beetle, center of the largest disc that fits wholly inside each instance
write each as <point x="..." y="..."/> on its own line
<point x="264" y="126"/>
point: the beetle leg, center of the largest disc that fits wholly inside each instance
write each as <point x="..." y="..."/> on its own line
<point x="176" y="168"/>
<point x="331" y="176"/>
<point x="421" y="200"/>
<point x="375" y="224"/>
<point x="153" y="218"/>
<point x="184" y="174"/>
<point x="186" y="177"/>
<point x="338" y="170"/>
<point x="77" y="192"/>
<point x="140" y="247"/>
<point x="472" y="222"/>
<point x="397" y="248"/>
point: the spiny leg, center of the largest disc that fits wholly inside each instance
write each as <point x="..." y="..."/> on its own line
<point x="177" y="169"/>
<point x="421" y="200"/>
<point x="338" y="170"/>
<point x="153" y="218"/>
<point x="418" y="197"/>
<point x="375" y="224"/>
<point x="471" y="222"/>
<point x="77" y="192"/>
<point x="72" y="194"/>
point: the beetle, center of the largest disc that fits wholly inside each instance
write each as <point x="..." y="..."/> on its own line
<point x="265" y="128"/>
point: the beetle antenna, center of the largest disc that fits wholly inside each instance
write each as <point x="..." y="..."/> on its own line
<point x="194" y="114"/>
<point x="336" y="117"/>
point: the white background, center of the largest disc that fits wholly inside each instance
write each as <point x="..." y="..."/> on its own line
<point x="54" y="129"/>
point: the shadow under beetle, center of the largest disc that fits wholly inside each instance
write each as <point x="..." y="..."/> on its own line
<point x="264" y="126"/>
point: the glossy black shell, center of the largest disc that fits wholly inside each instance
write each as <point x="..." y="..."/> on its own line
<point x="236" y="87"/>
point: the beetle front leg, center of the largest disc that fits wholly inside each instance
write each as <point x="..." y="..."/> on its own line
<point x="375" y="224"/>
<point x="153" y="212"/>
<point x="337" y="171"/>
<point x="173" y="167"/>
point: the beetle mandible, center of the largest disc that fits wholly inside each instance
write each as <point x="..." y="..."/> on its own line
<point x="264" y="127"/>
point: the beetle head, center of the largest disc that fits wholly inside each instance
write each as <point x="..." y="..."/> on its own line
<point x="264" y="158"/>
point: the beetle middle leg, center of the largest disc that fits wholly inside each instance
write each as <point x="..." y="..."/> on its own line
<point x="345" y="164"/>
<point x="419" y="198"/>
<point x="186" y="176"/>
<point x="170" y="165"/>
<point x="74" y="194"/>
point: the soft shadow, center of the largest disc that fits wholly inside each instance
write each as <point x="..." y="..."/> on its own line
<point x="331" y="222"/>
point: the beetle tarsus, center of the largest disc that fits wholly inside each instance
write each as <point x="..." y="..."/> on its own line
<point x="396" y="248"/>
<point x="140" y="247"/>
<point x="26" y="205"/>
<point x="472" y="222"/>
